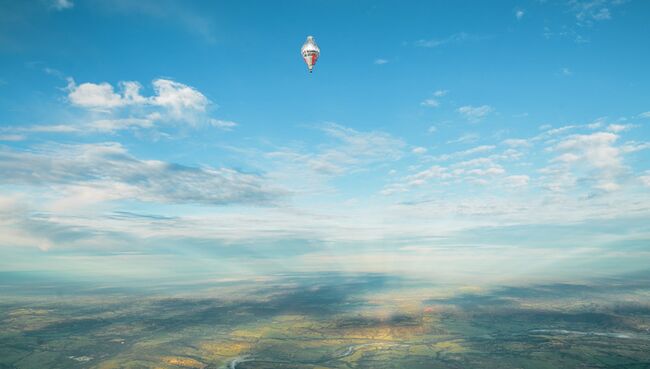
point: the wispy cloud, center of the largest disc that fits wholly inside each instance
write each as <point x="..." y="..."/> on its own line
<point x="62" y="4"/>
<point x="476" y="171"/>
<point x="225" y="125"/>
<point x="355" y="151"/>
<point x="645" y="179"/>
<point x="343" y="151"/>
<point x="475" y="113"/>
<point x="588" y="11"/>
<point x="100" y="172"/>
<point x="616" y="128"/>
<point x="424" y="202"/>
<point x="419" y="150"/>
<point x="517" y="142"/>
<point x="12" y="137"/>
<point x="380" y="61"/>
<point x="594" y="157"/>
<point x="434" y="102"/>
<point x="519" y="13"/>
<point x="464" y="153"/>
<point x="565" y="32"/>
<point x="517" y="180"/>
<point x="102" y="125"/>
<point x="453" y="39"/>
<point x="430" y="103"/>
<point x="465" y="138"/>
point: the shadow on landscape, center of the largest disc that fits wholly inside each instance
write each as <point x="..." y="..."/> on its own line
<point x="321" y="296"/>
<point x="317" y="295"/>
<point x="614" y="303"/>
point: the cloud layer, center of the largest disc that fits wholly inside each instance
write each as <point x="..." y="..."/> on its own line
<point x="99" y="172"/>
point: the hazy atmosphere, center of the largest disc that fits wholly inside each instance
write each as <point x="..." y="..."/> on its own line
<point x="456" y="184"/>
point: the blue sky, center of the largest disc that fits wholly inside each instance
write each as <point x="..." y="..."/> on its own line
<point x="161" y="138"/>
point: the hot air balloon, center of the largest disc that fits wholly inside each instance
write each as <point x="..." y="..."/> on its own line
<point x="310" y="52"/>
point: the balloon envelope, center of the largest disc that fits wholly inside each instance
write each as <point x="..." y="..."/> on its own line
<point x="310" y="52"/>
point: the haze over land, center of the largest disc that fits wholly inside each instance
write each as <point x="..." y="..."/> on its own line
<point x="455" y="185"/>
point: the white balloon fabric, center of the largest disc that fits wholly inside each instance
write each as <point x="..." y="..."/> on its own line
<point x="310" y="52"/>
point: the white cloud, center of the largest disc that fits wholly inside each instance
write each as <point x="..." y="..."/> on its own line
<point x="566" y="72"/>
<point x="101" y="172"/>
<point x="62" y="4"/>
<point x="511" y="154"/>
<point x="475" y="113"/>
<point x="350" y="151"/>
<point x="358" y="148"/>
<point x="480" y="171"/>
<point x="422" y="177"/>
<point x="584" y="141"/>
<point x="178" y="100"/>
<point x="632" y="146"/>
<point x="95" y="96"/>
<point x="108" y="125"/>
<point x="13" y="230"/>
<point x="645" y="115"/>
<point x="483" y="161"/>
<point x="431" y="103"/>
<point x="467" y="137"/>
<point x="490" y="171"/>
<point x="608" y="186"/>
<point x="468" y="152"/>
<point x="450" y="40"/>
<point x="516" y="142"/>
<point x="52" y="128"/>
<point x="380" y="61"/>
<point x="567" y="158"/>
<point x="177" y="97"/>
<point x="434" y="102"/>
<point x="602" y="14"/>
<point x="125" y="107"/>
<point x="565" y="32"/>
<point x="419" y="150"/>
<point x="557" y="178"/>
<point x="112" y="125"/>
<point x="587" y="10"/>
<point x="517" y="181"/>
<point x="432" y="129"/>
<point x="225" y="125"/>
<point x="616" y="128"/>
<point x="12" y="137"/>
<point x="592" y="157"/>
<point x="597" y="123"/>
<point x="519" y="13"/>
<point x="645" y="179"/>
<point x="552" y="133"/>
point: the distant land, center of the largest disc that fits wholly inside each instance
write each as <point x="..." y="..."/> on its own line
<point x="324" y="321"/>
